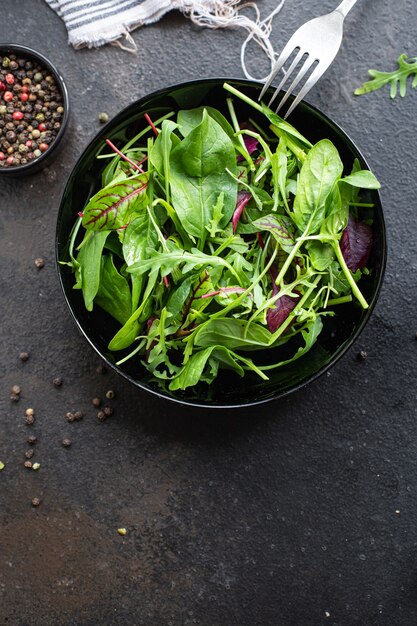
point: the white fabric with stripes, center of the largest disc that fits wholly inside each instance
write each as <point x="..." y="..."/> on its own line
<point x="93" y="23"/>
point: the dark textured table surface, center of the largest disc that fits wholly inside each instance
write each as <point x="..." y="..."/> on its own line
<point x="300" y="512"/>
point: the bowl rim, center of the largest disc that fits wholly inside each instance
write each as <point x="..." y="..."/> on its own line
<point x="22" y="49"/>
<point x="341" y="351"/>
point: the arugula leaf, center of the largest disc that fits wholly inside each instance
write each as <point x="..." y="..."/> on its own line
<point x="397" y="79"/>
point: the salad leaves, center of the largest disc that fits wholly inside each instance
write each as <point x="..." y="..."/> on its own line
<point x="215" y="246"/>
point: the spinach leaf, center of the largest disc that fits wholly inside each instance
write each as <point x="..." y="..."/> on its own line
<point x="89" y="260"/>
<point x="318" y="174"/>
<point x="113" y="294"/>
<point x="198" y="176"/>
<point x="192" y="372"/>
<point x="232" y="333"/>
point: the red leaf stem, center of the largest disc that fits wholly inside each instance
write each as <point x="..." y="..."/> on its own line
<point x="123" y="156"/>
<point x="151" y="124"/>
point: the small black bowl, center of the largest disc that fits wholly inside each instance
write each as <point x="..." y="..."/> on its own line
<point x="228" y="390"/>
<point x="46" y="157"/>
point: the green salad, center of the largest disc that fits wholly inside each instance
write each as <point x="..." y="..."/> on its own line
<point x="214" y="240"/>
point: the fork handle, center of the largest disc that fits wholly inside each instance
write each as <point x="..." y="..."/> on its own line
<point x="345" y="6"/>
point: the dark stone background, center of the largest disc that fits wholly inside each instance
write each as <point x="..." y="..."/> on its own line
<point x="286" y="514"/>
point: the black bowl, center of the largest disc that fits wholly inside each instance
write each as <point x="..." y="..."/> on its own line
<point x="46" y="157"/>
<point x="228" y="390"/>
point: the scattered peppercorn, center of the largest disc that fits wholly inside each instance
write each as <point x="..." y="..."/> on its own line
<point x="39" y="263"/>
<point x="16" y="390"/>
<point x="23" y="356"/>
<point x="28" y="464"/>
<point x="36" y="501"/>
<point x="107" y="410"/>
<point x="66" y="442"/>
<point x="103" y="117"/>
<point x="36" y="466"/>
<point x="110" y="394"/>
<point x="122" y="531"/>
<point x="32" y="440"/>
<point x="14" y="397"/>
<point x="101" y="416"/>
<point x="29" y="419"/>
<point x="361" y="356"/>
<point x="2" y="466"/>
<point x="29" y="454"/>
<point x="96" y="402"/>
<point x="30" y="412"/>
<point x="78" y="415"/>
<point x="57" y="382"/>
<point x="70" y="416"/>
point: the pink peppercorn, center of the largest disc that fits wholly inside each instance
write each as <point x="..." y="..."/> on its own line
<point x="18" y="115"/>
<point x="42" y="127"/>
<point x="29" y="143"/>
<point x="24" y="96"/>
<point x="1" y="156"/>
<point x="8" y="96"/>
<point x="2" y="86"/>
<point x="10" y="160"/>
<point x="43" y="147"/>
<point x="9" y="79"/>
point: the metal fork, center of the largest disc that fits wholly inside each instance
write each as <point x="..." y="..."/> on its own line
<point x="320" y="40"/>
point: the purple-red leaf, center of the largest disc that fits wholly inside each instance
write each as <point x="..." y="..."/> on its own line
<point x="276" y="316"/>
<point x="356" y="244"/>
<point x="112" y="207"/>
<point x="243" y="198"/>
<point x="251" y="145"/>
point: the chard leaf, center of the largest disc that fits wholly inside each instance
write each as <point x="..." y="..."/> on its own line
<point x="114" y="294"/>
<point x="113" y="207"/>
<point x="89" y="265"/>
<point x="198" y="175"/>
<point x="281" y="228"/>
<point x="319" y="172"/>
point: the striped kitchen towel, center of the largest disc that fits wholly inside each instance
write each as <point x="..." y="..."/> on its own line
<point x="93" y="23"/>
